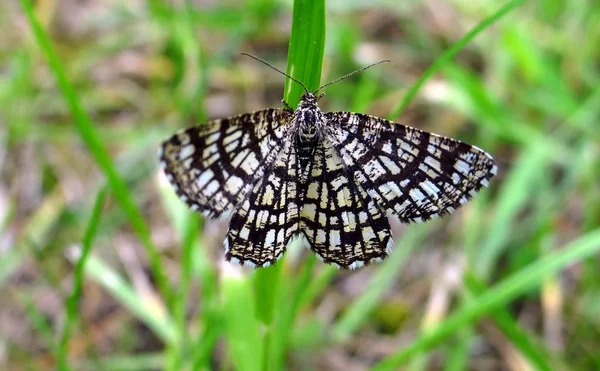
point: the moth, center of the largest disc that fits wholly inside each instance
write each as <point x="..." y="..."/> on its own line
<point x="331" y="178"/>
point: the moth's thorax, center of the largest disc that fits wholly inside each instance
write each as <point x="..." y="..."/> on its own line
<point x="308" y="119"/>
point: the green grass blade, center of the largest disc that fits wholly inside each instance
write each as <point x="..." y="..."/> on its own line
<point x="201" y="359"/>
<point x="305" y="59"/>
<point x="458" y="354"/>
<point x="178" y="352"/>
<point x="318" y="284"/>
<point x="266" y="287"/>
<point x="125" y="362"/>
<point x="37" y="319"/>
<point x="243" y="337"/>
<point x="449" y="54"/>
<point x="381" y="281"/>
<point x="89" y="134"/>
<point x="210" y="315"/>
<point x="145" y="307"/>
<point x="518" y="337"/>
<point x="519" y="186"/>
<point x="289" y="311"/>
<point x="306" y="48"/>
<point x="500" y="294"/>
<point x="72" y="301"/>
<point x="36" y="230"/>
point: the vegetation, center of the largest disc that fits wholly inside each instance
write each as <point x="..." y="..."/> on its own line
<point x="102" y="267"/>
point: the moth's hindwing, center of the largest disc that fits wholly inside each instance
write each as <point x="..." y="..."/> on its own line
<point x="341" y="222"/>
<point x="262" y="226"/>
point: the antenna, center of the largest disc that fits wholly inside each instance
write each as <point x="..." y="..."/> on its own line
<point x="276" y="69"/>
<point x="351" y="73"/>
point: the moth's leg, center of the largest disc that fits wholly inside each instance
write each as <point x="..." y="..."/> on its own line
<point x="287" y="106"/>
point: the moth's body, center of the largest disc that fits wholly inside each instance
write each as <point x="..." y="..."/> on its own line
<point x="331" y="178"/>
<point x="309" y="122"/>
<point x="307" y="129"/>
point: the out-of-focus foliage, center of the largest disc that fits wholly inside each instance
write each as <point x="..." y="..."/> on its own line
<point x="510" y="281"/>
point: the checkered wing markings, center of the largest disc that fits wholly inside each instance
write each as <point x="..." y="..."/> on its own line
<point x="213" y="166"/>
<point x="410" y="173"/>
<point x="341" y="223"/>
<point x="262" y="226"/>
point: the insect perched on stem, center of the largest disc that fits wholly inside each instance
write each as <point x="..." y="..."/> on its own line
<point x="332" y="178"/>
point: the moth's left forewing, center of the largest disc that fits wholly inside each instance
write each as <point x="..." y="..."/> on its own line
<point x="213" y="166"/>
<point x="411" y="174"/>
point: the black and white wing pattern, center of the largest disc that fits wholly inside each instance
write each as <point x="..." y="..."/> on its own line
<point x="411" y="174"/>
<point x="333" y="178"/>
<point x="262" y="226"/>
<point x="212" y="167"/>
<point x="341" y="222"/>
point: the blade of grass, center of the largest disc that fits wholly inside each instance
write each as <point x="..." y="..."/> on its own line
<point x="289" y="311"/>
<point x="519" y="338"/>
<point x="500" y="294"/>
<point x="198" y="350"/>
<point x="206" y="342"/>
<point x="318" y="284"/>
<point x="192" y="84"/>
<point x="126" y="362"/>
<point x="35" y="231"/>
<point x="39" y="321"/>
<point x="209" y="316"/>
<point x="520" y="184"/>
<point x="145" y="308"/>
<point x="178" y="352"/>
<point x="381" y="281"/>
<point x="267" y="290"/>
<point x="88" y="133"/>
<point x="449" y="54"/>
<point x="458" y="351"/>
<point x="242" y="330"/>
<point x="72" y="301"/>
<point x="306" y="48"/>
<point x="305" y="59"/>
<point x="473" y="97"/>
<point x="266" y="287"/>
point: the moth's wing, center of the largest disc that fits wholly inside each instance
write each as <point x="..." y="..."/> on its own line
<point x="341" y="222"/>
<point x="213" y="166"/>
<point x="410" y="173"/>
<point x="262" y="226"/>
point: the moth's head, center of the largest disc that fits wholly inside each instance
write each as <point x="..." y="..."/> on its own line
<point x="310" y="99"/>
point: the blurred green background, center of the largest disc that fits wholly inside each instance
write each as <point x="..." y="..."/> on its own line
<point x="102" y="267"/>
